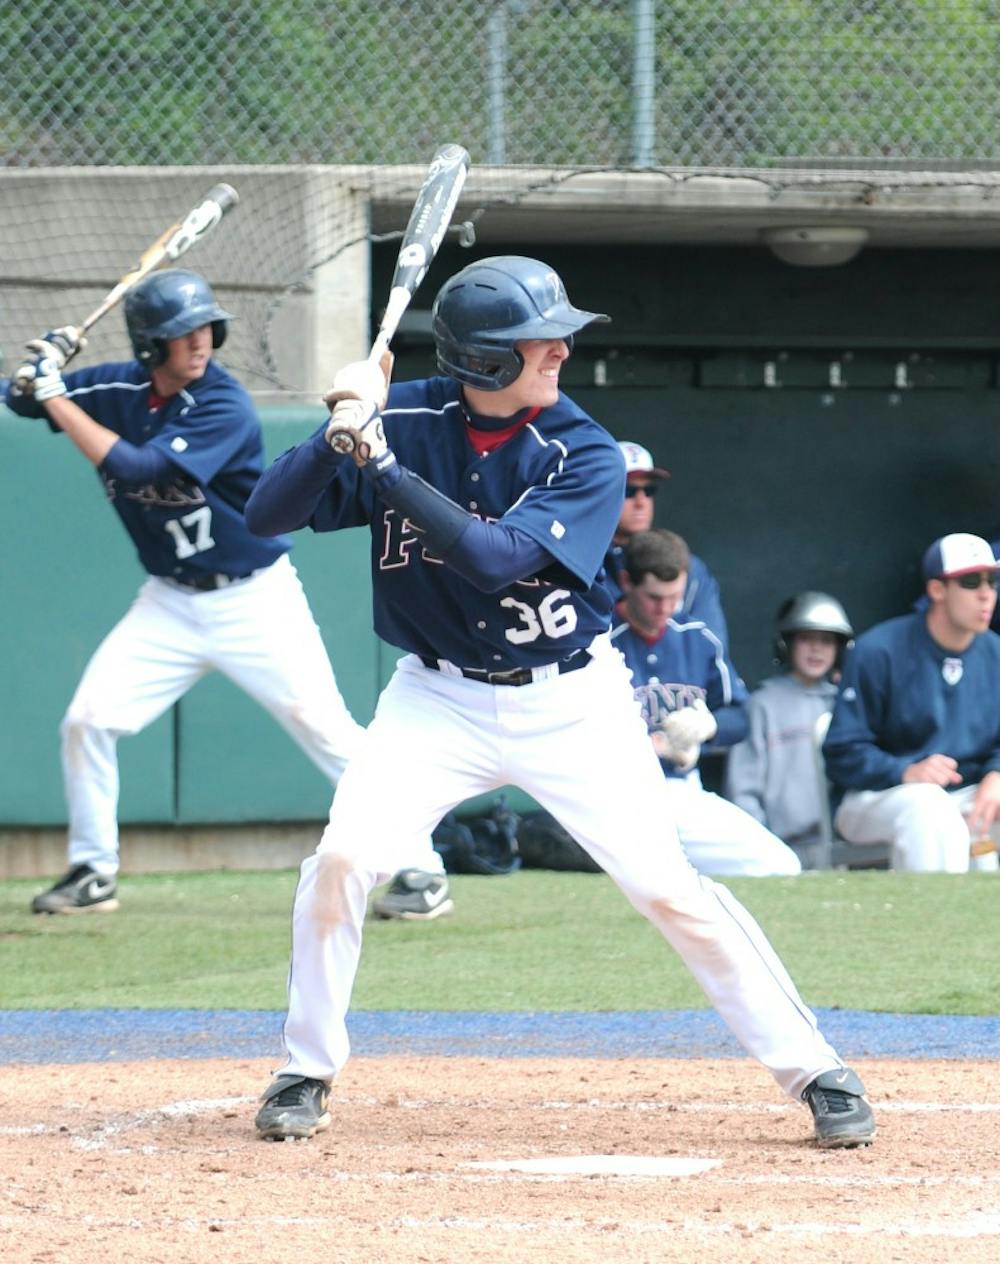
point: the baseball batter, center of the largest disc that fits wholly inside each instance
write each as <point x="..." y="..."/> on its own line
<point x="177" y="445"/>
<point x="491" y="499"/>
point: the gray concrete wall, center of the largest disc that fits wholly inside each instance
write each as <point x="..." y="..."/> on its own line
<point x="291" y="261"/>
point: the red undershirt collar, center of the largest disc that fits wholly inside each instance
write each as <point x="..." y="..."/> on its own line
<point x="484" y="441"/>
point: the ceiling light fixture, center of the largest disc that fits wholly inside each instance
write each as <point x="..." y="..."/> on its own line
<point x="821" y="247"/>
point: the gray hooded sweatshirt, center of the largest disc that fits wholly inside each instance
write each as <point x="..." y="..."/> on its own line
<point x="772" y="774"/>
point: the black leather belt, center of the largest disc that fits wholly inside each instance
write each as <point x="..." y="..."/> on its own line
<point x="516" y="675"/>
<point x="208" y="583"/>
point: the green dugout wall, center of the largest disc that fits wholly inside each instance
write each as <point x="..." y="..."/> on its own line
<point x="69" y="572"/>
<point x="822" y="427"/>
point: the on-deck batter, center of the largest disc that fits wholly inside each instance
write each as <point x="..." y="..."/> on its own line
<point x="491" y="499"/>
<point x="177" y="444"/>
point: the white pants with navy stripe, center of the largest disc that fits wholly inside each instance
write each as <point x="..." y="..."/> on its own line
<point x="259" y="632"/>
<point x="577" y="744"/>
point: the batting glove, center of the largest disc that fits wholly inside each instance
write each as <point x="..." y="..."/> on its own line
<point x="682" y="733"/>
<point x="362" y="380"/>
<point x="60" y="345"/>
<point x="356" y="430"/>
<point x="49" y="383"/>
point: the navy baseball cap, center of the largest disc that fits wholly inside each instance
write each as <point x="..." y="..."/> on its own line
<point x="958" y="554"/>
<point x="639" y="460"/>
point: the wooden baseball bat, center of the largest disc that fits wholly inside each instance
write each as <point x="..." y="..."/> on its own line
<point x="428" y="223"/>
<point x="169" y="246"/>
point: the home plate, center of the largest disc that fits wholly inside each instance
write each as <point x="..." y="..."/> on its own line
<point x="604" y="1165"/>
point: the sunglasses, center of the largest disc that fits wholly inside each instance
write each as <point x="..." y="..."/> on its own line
<point x="632" y="489"/>
<point x="973" y="582"/>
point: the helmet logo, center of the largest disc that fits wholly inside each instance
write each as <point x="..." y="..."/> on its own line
<point x="553" y="281"/>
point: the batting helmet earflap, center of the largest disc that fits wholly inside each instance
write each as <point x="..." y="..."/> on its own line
<point x="490" y="305"/>
<point x="811" y="612"/>
<point x="167" y="305"/>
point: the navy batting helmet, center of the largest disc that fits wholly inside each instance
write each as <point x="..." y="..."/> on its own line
<point x="169" y="304"/>
<point x="811" y="612"/>
<point x="483" y="310"/>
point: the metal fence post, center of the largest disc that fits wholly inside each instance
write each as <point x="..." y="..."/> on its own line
<point x="643" y="82"/>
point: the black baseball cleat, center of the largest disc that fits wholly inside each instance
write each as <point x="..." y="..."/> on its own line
<point x="293" y="1107"/>
<point x="78" y="891"/>
<point x="842" y="1117"/>
<point x="414" y="896"/>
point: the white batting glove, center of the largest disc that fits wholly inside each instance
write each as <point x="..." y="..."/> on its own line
<point x="362" y="380"/>
<point x="356" y="430"/>
<point x="60" y="345"/>
<point x="49" y="383"/>
<point x="692" y="724"/>
<point x="682" y="733"/>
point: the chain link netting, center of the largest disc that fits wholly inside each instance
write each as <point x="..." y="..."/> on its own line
<point x="614" y="83"/>
<point x="119" y="114"/>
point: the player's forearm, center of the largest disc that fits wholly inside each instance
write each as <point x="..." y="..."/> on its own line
<point x="289" y="492"/>
<point x="93" y="440"/>
<point x="490" y="555"/>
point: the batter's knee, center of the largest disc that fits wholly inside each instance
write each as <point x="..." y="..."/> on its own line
<point x="89" y="719"/>
<point x="341" y="889"/>
<point x="85" y="742"/>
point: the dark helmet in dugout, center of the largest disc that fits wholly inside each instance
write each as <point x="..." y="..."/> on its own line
<point x="170" y="304"/>
<point x="811" y="612"/>
<point x="483" y="310"/>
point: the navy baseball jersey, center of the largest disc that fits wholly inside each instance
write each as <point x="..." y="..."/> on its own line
<point x="685" y="663"/>
<point x="559" y="478"/>
<point x="189" y="523"/>
<point x="903" y="697"/>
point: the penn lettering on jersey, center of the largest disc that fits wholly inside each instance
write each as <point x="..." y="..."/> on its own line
<point x="662" y="671"/>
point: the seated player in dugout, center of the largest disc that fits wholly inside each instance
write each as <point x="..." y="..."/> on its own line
<point x="913" y="748"/>
<point x="491" y="499"/>
<point x="774" y="773"/>
<point x="643" y="481"/>
<point x="692" y="699"/>
<point x="177" y="445"/>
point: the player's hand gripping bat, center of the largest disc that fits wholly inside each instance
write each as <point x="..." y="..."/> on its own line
<point x="168" y="247"/>
<point x="428" y="223"/>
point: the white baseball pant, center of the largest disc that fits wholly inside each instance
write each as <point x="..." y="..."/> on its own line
<point x="259" y="632"/>
<point x="578" y="744"/>
<point x="720" y="838"/>
<point x="925" y="824"/>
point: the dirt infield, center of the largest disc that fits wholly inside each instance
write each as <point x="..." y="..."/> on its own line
<point x="157" y="1163"/>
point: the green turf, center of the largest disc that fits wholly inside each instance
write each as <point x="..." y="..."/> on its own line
<point x="531" y="941"/>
